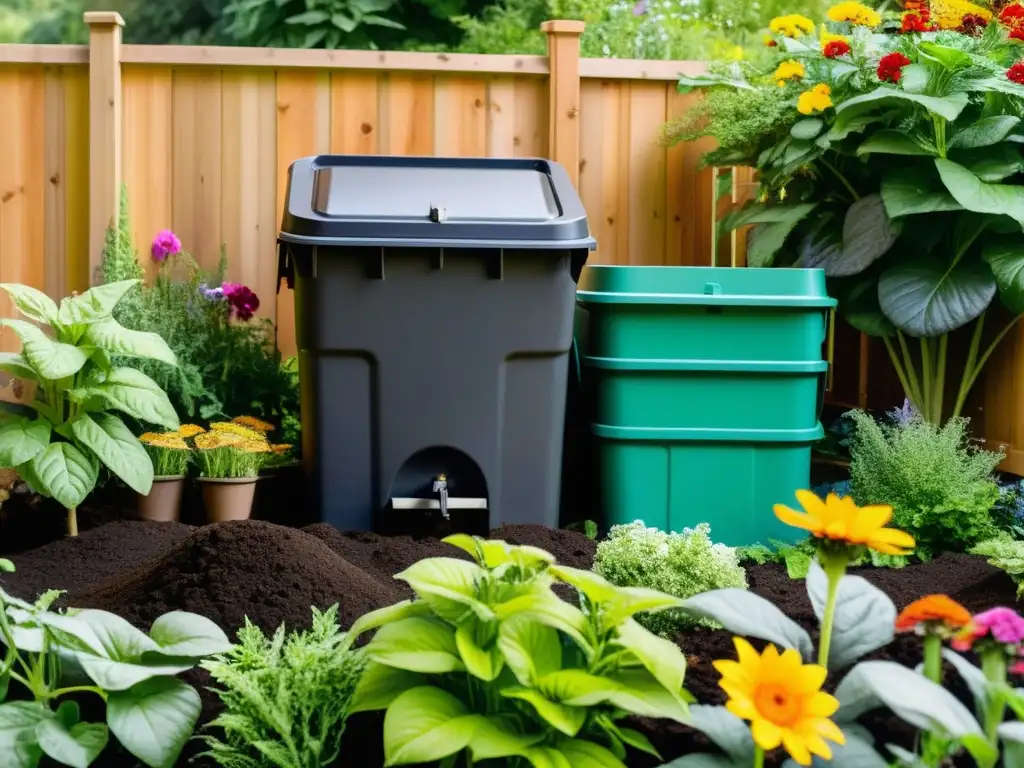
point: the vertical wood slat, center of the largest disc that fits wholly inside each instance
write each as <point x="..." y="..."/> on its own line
<point x="564" y="94"/>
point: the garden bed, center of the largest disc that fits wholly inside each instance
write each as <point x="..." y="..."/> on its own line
<point x="273" y="574"/>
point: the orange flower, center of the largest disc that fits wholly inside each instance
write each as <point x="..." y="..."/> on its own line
<point x="840" y="519"/>
<point x="937" y="614"/>
<point x="253" y="423"/>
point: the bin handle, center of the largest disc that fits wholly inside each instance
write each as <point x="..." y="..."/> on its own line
<point x="830" y="347"/>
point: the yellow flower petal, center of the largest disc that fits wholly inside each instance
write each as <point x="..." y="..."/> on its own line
<point x="797" y="748"/>
<point x="767" y="735"/>
<point x="830" y="730"/>
<point x="793" y="518"/>
<point x="745" y="710"/>
<point x="821" y="705"/>
<point x="809" y="677"/>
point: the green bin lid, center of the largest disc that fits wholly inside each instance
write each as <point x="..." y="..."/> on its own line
<point x="710" y="286"/>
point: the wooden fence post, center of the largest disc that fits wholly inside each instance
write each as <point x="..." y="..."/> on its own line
<point x="104" y="128"/>
<point x="564" y="94"/>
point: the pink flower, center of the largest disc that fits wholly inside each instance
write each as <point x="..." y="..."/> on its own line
<point x="165" y="244"/>
<point x="242" y="301"/>
<point x="1004" y="625"/>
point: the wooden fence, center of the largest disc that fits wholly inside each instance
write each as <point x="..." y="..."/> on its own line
<point x="203" y="137"/>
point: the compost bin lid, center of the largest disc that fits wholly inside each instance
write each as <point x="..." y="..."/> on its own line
<point x="710" y="286"/>
<point x="433" y="201"/>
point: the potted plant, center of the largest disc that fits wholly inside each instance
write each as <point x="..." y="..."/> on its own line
<point x="229" y="458"/>
<point x="171" y="456"/>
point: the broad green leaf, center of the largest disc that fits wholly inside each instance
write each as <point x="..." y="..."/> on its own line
<point x="76" y="634"/>
<point x="6" y="566"/>
<point x="547" y="757"/>
<point x="154" y="719"/>
<point x="868" y="234"/>
<point x="587" y="754"/>
<point x="132" y="392"/>
<point x="181" y="634"/>
<point x="992" y="164"/>
<point x="66" y="474"/>
<point x="701" y="760"/>
<point x="1005" y="256"/>
<point x="891" y="142"/>
<point x="950" y="58"/>
<point x="546" y="608"/>
<point x="380" y="685"/>
<point x="48" y="358"/>
<point x="765" y="240"/>
<point x="115" y="445"/>
<point x="745" y="613"/>
<point x="907" y="192"/>
<point x="426" y="724"/>
<point x="975" y="195"/>
<point x="927" y="298"/>
<point x="119" y="640"/>
<point x="1012" y="731"/>
<point x="531" y="649"/>
<point x="16" y="365"/>
<point x="472" y="546"/>
<point x="914" y="78"/>
<point x="629" y="601"/>
<point x="948" y="107"/>
<point x="31" y="302"/>
<point x="110" y="336"/>
<point x="577" y="687"/>
<point x="864" y="616"/>
<point x="308" y="18"/>
<point x="973" y="676"/>
<point x="498" y="737"/>
<point x="911" y="697"/>
<point x="95" y="304"/>
<point x="857" y="752"/>
<point x="77" y="746"/>
<point x="728" y="732"/>
<point x="478" y="648"/>
<point x="637" y="741"/>
<point x="417" y="644"/>
<point x="642" y="695"/>
<point x="27" y="473"/>
<point x="561" y="717"/>
<point x="18" y="720"/>
<point x="597" y="588"/>
<point x="661" y="657"/>
<point x="447" y="585"/>
<point x="806" y="129"/>
<point x="22" y="440"/>
<point x="984" y="132"/>
<point x="382" y="616"/>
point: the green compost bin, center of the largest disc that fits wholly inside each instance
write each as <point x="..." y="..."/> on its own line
<point x="706" y="386"/>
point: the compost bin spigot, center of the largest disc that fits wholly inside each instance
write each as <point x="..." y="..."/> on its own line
<point x="441" y="489"/>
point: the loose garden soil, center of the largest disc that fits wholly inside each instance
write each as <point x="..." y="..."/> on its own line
<point x="273" y="574"/>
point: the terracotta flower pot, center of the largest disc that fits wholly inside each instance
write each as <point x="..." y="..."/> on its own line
<point x="163" y="504"/>
<point x="228" y="498"/>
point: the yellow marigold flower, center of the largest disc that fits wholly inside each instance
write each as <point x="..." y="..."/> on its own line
<point x="949" y="14"/>
<point x="818" y="99"/>
<point x="827" y="37"/>
<point x="282" y="448"/>
<point x="782" y="698"/>
<point x="148" y="437"/>
<point x="255" y="446"/>
<point x="840" y="519"/>
<point x="190" y="430"/>
<point x="170" y="440"/>
<point x="253" y="423"/>
<point x="793" y="25"/>
<point x="855" y="13"/>
<point x="209" y="441"/>
<point x="789" y="70"/>
<point x="237" y="429"/>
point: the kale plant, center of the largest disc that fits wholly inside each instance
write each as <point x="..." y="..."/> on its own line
<point x="678" y="564"/>
<point x="942" y="489"/>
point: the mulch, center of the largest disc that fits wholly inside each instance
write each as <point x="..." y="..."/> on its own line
<point x="273" y="574"/>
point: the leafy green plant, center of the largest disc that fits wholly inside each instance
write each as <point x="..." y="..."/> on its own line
<point x="309" y="23"/>
<point x="897" y="170"/>
<point x="1007" y="555"/>
<point x="679" y="564"/>
<point x="286" y="697"/>
<point x="940" y="487"/>
<point x="490" y="663"/>
<point x="79" y="390"/>
<point x="587" y="527"/>
<point x="51" y="656"/>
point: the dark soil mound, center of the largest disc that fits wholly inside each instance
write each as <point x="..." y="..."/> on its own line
<point x="74" y="564"/>
<point x="229" y="571"/>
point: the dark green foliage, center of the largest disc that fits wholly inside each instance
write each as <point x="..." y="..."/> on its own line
<point x="941" y="488"/>
<point x="286" y="697"/>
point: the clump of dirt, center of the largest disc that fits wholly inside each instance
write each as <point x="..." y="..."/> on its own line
<point x="231" y="571"/>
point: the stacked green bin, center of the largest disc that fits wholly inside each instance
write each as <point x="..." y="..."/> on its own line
<point x="707" y="385"/>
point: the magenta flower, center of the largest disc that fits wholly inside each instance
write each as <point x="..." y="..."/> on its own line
<point x="165" y="244"/>
<point x="1004" y="625"/>
<point x="242" y="301"/>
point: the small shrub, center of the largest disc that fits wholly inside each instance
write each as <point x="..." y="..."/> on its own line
<point x="286" y="696"/>
<point x="942" y="490"/>
<point x="1007" y="555"/>
<point x="679" y="564"/>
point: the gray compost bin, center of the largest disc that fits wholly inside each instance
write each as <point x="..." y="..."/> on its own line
<point x="434" y="317"/>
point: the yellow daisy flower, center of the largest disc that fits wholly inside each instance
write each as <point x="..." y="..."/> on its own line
<point x="253" y="423"/>
<point x="789" y="70"/>
<point x="793" y="25"/>
<point x="237" y="429"/>
<point x="855" y="13"/>
<point x="190" y="430"/>
<point x="840" y="519"/>
<point x="209" y="441"/>
<point x="818" y="99"/>
<point x="782" y="698"/>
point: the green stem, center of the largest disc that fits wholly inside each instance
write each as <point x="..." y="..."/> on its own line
<point x="927" y="378"/>
<point x="939" y="390"/>
<point x="908" y="361"/>
<point x="834" y="570"/>
<point x="900" y="373"/>
<point x="993" y="664"/>
<point x="972" y="357"/>
<point x="940" y="134"/>
<point x="933" y="658"/>
<point x="843" y="180"/>
<point x="75" y="689"/>
<point x="758" y="757"/>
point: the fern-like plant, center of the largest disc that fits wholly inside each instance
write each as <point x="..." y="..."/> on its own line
<point x="941" y="488"/>
<point x="286" y="697"/>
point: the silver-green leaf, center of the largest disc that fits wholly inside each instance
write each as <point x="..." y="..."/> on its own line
<point x="745" y="613"/>
<point x="154" y="719"/>
<point x="48" y="358"/>
<point x="22" y="440"/>
<point x="78" y="745"/>
<point x="927" y="298"/>
<point x="115" y="445"/>
<point x="65" y="473"/>
<point x="110" y="336"/>
<point x="132" y="392"/>
<point x="31" y="302"/>
<point x="95" y="304"/>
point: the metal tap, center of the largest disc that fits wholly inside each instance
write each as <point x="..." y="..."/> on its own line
<point x="441" y="489"/>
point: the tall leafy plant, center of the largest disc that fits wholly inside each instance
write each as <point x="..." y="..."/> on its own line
<point x="896" y="168"/>
<point x="488" y="662"/>
<point x="309" y="23"/>
<point x="79" y="393"/>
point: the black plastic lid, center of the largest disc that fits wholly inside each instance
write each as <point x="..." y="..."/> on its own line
<point x="432" y="201"/>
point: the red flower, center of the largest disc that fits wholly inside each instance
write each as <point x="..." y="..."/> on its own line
<point x="1016" y="73"/>
<point x="972" y="24"/>
<point x="1012" y="16"/>
<point x="890" y="68"/>
<point x="836" y="48"/>
<point x="917" y="21"/>
<point x="242" y="301"/>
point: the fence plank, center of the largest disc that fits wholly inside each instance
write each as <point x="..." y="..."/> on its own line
<point x="460" y="117"/>
<point x="355" y="113"/>
<point x="55" y="205"/>
<point x="408" y="115"/>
